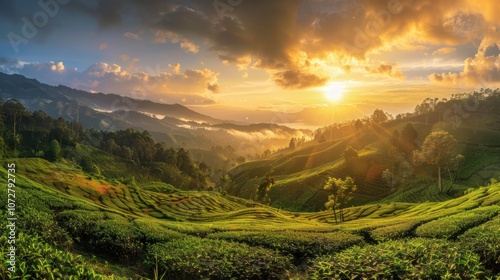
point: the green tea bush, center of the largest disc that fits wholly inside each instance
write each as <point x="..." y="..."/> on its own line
<point x="160" y="188"/>
<point x="153" y="232"/>
<point x="118" y="237"/>
<point x="80" y="223"/>
<point x="299" y="244"/>
<point x="197" y="258"/>
<point x="485" y="241"/>
<point x="401" y="259"/>
<point x="399" y="230"/>
<point x="39" y="260"/>
<point x="451" y="226"/>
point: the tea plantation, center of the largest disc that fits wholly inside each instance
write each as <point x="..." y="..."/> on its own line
<point x="73" y="226"/>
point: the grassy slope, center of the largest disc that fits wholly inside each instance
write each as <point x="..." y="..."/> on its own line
<point x="208" y="214"/>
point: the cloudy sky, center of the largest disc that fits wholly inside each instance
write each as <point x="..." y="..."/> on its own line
<point x="272" y="54"/>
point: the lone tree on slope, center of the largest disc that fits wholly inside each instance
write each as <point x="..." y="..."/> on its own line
<point x="340" y="194"/>
<point x="439" y="149"/>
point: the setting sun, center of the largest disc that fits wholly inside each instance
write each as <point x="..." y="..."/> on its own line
<point x="333" y="92"/>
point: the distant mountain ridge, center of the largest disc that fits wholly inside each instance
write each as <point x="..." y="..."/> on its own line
<point x="22" y="88"/>
<point x="173" y="124"/>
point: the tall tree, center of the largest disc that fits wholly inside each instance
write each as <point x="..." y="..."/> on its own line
<point x="358" y="124"/>
<point x="394" y="150"/>
<point x="379" y="116"/>
<point x="15" y="110"/>
<point x="407" y="139"/>
<point x="261" y="193"/>
<point x="292" y="144"/>
<point x="439" y="149"/>
<point x="349" y="154"/>
<point x="340" y="193"/>
<point x="54" y="150"/>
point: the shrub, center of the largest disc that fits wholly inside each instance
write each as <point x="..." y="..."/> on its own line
<point x="197" y="258"/>
<point x="485" y="241"/>
<point x="153" y="232"/>
<point x="42" y="261"/>
<point x="119" y="237"/>
<point x="299" y="244"/>
<point x="399" y="230"/>
<point x="401" y="259"/>
<point x="451" y="226"/>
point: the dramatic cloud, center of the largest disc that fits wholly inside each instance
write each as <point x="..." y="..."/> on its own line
<point x="194" y="86"/>
<point x="304" y="43"/>
<point x="481" y="70"/>
<point x="58" y="67"/>
<point x="387" y="70"/>
<point x="213" y="88"/>
<point x="298" y="79"/>
<point x="132" y="36"/>
<point x="272" y="35"/>
<point x="176" y="68"/>
<point x="166" y="37"/>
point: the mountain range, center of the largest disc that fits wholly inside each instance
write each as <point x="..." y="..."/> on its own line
<point x="174" y="124"/>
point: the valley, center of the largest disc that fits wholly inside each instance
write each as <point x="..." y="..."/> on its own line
<point x="123" y="204"/>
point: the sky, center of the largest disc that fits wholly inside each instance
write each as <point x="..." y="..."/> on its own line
<point x="217" y="56"/>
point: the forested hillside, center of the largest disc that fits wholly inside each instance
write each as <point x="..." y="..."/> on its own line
<point x="125" y="154"/>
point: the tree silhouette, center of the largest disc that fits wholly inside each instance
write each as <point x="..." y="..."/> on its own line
<point x="407" y="139"/>
<point x="350" y="154"/>
<point x="261" y="194"/>
<point x="292" y="144"/>
<point x="379" y="116"/>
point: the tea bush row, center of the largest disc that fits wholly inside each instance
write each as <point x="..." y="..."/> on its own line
<point x="299" y="244"/>
<point x="416" y="258"/>
<point x="451" y="226"/>
<point x="197" y="258"/>
<point x="37" y="259"/>
<point x="485" y="241"/>
<point x="112" y="234"/>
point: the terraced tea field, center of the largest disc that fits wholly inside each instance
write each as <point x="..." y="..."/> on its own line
<point x="154" y="228"/>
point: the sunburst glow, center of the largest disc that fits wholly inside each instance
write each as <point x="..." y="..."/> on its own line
<point x="333" y="92"/>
